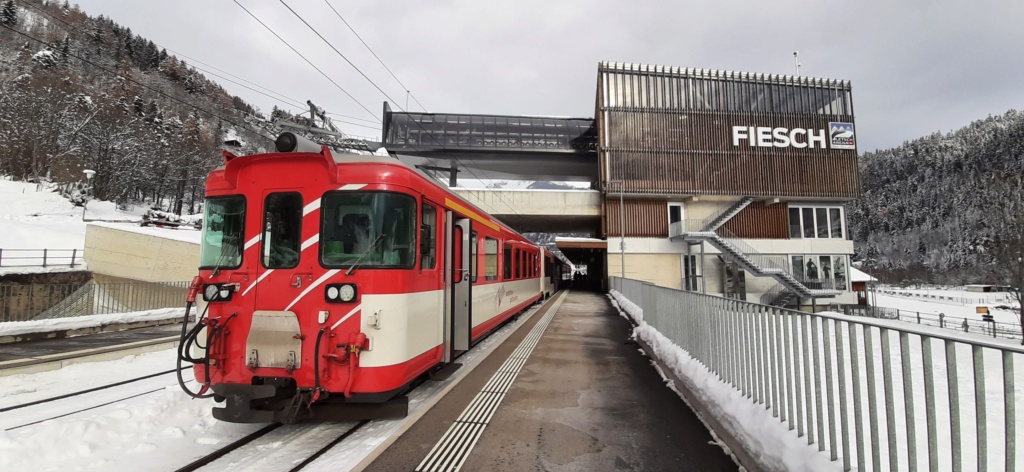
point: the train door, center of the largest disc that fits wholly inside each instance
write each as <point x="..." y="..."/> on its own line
<point x="457" y="286"/>
<point x="282" y="276"/>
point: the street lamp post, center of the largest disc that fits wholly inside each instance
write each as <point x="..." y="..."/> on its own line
<point x="622" y="226"/>
<point x="88" y="179"/>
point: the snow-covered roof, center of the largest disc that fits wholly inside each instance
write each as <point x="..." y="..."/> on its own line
<point x="578" y="240"/>
<point x="856" y="275"/>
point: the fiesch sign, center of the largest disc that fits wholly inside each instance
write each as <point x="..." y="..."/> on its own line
<point x="838" y="136"/>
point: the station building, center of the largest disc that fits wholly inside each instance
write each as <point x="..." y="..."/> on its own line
<point x="727" y="183"/>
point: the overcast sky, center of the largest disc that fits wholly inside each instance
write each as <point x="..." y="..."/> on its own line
<point x="916" y="66"/>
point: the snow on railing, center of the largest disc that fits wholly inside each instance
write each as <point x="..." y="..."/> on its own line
<point x="872" y="393"/>
<point x="40" y="257"/>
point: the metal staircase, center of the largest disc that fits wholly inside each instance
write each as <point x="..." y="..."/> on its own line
<point x="779" y="295"/>
<point x="732" y="247"/>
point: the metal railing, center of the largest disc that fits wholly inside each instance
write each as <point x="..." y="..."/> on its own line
<point x="22" y="302"/>
<point x="854" y="386"/>
<point x="40" y="257"/>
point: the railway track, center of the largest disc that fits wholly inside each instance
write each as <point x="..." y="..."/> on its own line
<point x="34" y="412"/>
<point x="303" y="445"/>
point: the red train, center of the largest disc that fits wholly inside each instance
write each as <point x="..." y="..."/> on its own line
<point x="333" y="283"/>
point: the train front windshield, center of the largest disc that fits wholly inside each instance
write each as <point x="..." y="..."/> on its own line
<point x="223" y="226"/>
<point x="368" y="229"/>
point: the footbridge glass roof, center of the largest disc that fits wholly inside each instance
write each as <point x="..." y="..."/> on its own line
<point x="426" y="133"/>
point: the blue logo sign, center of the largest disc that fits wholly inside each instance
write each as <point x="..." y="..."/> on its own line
<point x="841" y="136"/>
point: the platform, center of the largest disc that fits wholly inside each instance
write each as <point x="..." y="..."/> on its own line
<point x="585" y="399"/>
<point x="36" y="356"/>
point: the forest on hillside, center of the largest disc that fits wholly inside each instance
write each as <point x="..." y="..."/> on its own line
<point x="80" y="92"/>
<point x="944" y="208"/>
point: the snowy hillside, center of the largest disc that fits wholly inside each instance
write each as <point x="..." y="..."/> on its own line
<point x="35" y="217"/>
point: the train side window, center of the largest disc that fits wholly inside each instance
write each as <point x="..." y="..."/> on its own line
<point x="507" y="271"/>
<point x="282" y="230"/>
<point x="522" y="263"/>
<point x="473" y="256"/>
<point x="517" y="261"/>
<point x="428" y="237"/>
<point x="490" y="259"/>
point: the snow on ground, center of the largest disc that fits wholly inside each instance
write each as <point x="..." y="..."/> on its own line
<point x="159" y="431"/>
<point x="34" y="217"/>
<point x="13" y="328"/>
<point x="948" y="308"/>
<point x="771" y="439"/>
<point x="767" y="438"/>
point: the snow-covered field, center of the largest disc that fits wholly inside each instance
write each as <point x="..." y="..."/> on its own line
<point x="34" y="217"/>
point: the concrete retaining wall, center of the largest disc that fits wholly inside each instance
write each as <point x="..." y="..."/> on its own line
<point x="136" y="256"/>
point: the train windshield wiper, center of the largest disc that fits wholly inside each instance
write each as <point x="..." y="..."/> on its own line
<point x="362" y="256"/>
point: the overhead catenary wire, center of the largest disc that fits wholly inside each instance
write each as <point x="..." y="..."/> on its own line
<point x="467" y="168"/>
<point x="296" y="51"/>
<point x="375" y="55"/>
<point x="368" y="79"/>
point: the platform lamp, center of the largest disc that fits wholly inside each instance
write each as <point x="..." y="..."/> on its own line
<point x="622" y="226"/>
<point x="88" y="179"/>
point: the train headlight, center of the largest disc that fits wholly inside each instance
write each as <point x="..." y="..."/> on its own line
<point x="218" y="292"/>
<point x="340" y="293"/>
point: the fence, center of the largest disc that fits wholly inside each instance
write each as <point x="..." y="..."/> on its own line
<point x="941" y="320"/>
<point x="854" y="386"/>
<point x="944" y="296"/>
<point x="40" y="257"/>
<point x="46" y="301"/>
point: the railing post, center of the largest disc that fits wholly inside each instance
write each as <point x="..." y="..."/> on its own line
<point x="74" y="254"/>
<point x="44" y="257"/>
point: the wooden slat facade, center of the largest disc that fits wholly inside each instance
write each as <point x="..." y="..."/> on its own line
<point x="760" y="221"/>
<point x="644" y="218"/>
<point x="669" y="131"/>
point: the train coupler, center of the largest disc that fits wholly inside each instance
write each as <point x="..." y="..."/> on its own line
<point x="239" y="403"/>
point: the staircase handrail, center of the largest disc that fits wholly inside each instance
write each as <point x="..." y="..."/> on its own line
<point x="769" y="296"/>
<point x="777" y="262"/>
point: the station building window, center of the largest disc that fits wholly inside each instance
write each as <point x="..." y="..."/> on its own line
<point x="821" y="271"/>
<point x="821" y="222"/>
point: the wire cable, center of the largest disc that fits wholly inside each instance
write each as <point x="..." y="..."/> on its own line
<point x="467" y="168"/>
<point x="296" y="51"/>
<point x="375" y="55"/>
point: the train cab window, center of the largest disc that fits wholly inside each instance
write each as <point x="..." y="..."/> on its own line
<point x="490" y="259"/>
<point x="282" y="230"/>
<point x="368" y="229"/>
<point x="223" y="233"/>
<point x="473" y="256"/>
<point x="428" y="235"/>
<point x="507" y="272"/>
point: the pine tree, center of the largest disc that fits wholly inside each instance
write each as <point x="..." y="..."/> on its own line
<point x="9" y="13"/>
